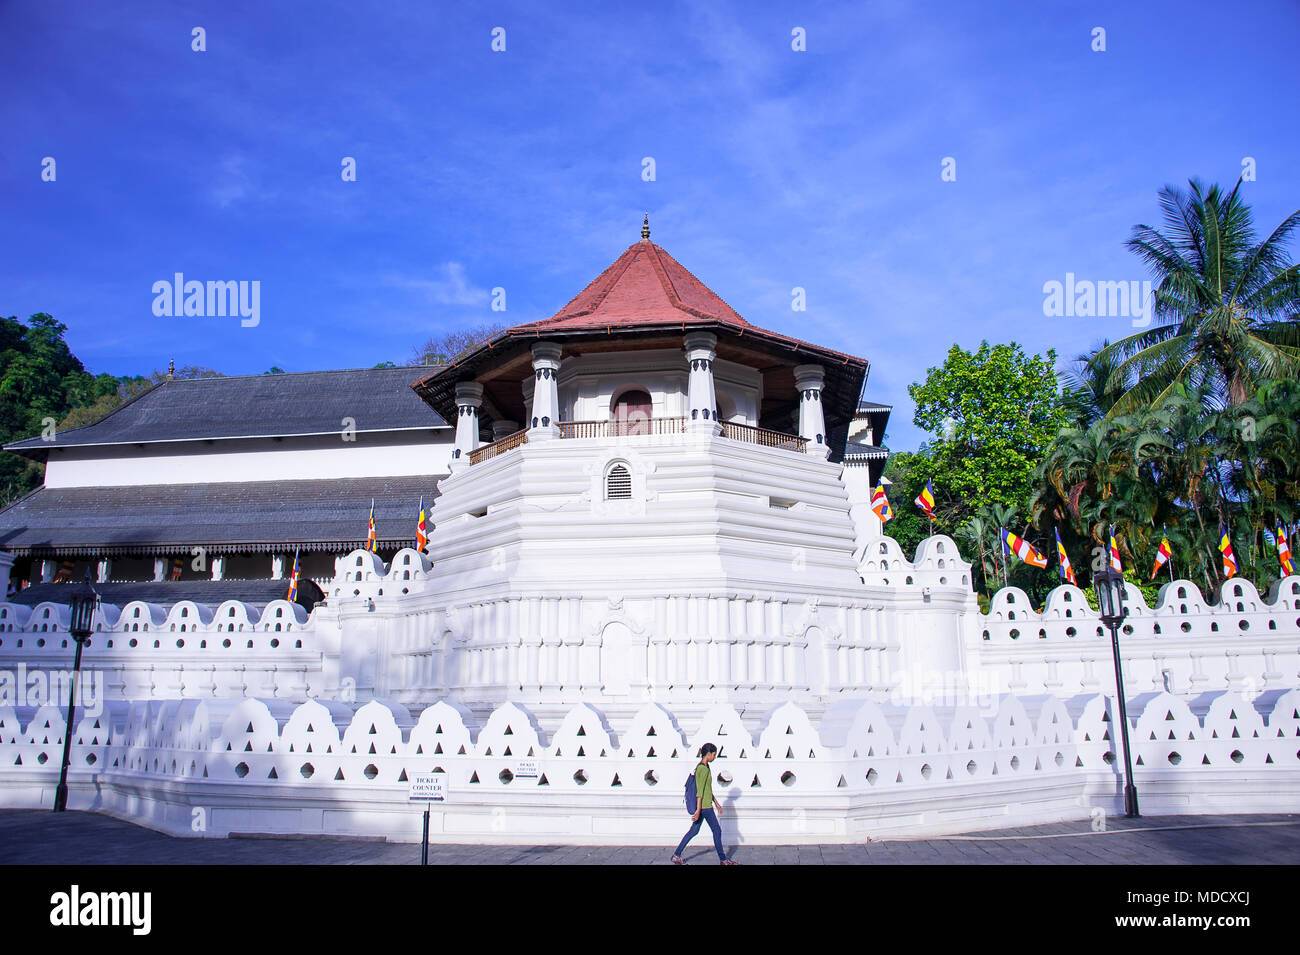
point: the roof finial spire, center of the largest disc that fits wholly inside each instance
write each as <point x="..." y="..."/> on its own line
<point x="645" y="228"/>
<point x="171" y="369"/>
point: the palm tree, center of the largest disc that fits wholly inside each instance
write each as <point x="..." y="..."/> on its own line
<point x="1227" y="306"/>
<point x="1089" y="388"/>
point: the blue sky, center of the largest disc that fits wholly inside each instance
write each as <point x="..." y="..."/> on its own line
<point x="523" y="169"/>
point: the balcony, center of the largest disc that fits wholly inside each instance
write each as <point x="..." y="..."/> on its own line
<point x="644" y="426"/>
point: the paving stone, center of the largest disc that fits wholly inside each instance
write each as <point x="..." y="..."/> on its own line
<point x="42" y="837"/>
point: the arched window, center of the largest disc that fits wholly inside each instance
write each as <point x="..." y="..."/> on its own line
<point x="631" y="412"/>
<point x="618" y="483"/>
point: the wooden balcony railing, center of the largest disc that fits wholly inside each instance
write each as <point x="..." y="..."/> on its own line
<point x="489" y="451"/>
<point x="619" y="429"/>
<point x="768" y="439"/>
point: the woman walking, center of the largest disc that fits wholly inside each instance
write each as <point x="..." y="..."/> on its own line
<point x="705" y="809"/>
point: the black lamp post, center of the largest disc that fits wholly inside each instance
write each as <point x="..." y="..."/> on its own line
<point x="1109" y="584"/>
<point x="82" y="602"/>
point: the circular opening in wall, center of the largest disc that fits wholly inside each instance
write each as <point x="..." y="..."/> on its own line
<point x="42" y="759"/>
<point x="1014" y="634"/>
<point x="180" y="644"/>
<point x="1109" y="757"/>
<point x="1186" y="627"/>
<point x="371" y="771"/>
<point x="505" y="776"/>
<point x="1236" y="756"/>
<point x="1175" y="759"/>
<point x="156" y="644"/>
<point x="872" y="775"/>
<point x="787" y="778"/>
<point x="725" y="778"/>
<point x="1128" y="629"/>
<point x="226" y="643"/>
<point x="651" y="779"/>
<point x="274" y="643"/>
<point x="1015" y="762"/>
<point x="40" y="642"/>
<point x="925" y="771"/>
<point x="972" y="768"/>
<point x="986" y="634"/>
<point x="909" y="580"/>
<point x="133" y="641"/>
<point x="1070" y="631"/>
<point x="241" y="770"/>
<point x="580" y="777"/>
<point x="1243" y="624"/>
<point x="943" y="580"/>
<point x="91" y="759"/>
<point x="1042" y="634"/>
<point x="307" y="770"/>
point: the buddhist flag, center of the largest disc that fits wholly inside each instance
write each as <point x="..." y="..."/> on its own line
<point x="1114" y="554"/>
<point x="293" y="579"/>
<point x="925" y="501"/>
<point x="1284" y="550"/>
<point x="1225" y="547"/>
<point x="880" y="504"/>
<point x="1011" y="544"/>
<point x="1067" y="572"/>
<point x="1162" y="556"/>
<point x="370" y="537"/>
<point x="178" y="568"/>
<point x="421" y="529"/>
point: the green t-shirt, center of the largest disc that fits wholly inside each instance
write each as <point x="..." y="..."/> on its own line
<point x="704" y="786"/>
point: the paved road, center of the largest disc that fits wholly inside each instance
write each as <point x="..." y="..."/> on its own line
<point x="80" y="838"/>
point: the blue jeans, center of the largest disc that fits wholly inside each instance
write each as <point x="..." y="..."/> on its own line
<point x="709" y="816"/>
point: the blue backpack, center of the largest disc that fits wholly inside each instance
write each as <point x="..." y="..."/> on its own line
<point x="692" y="797"/>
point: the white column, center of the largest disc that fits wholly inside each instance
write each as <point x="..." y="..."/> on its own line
<point x="544" y="421"/>
<point x="812" y="423"/>
<point x="701" y="350"/>
<point x="48" y="569"/>
<point x="277" y="566"/>
<point x="219" y="567"/>
<point x="160" y="568"/>
<point x="6" y="566"/>
<point x="469" y="395"/>
<point x="103" y="571"/>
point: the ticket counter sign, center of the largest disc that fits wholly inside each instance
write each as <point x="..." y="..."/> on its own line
<point x="428" y="787"/>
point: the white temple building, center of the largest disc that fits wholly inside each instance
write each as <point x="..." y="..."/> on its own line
<point x="650" y="529"/>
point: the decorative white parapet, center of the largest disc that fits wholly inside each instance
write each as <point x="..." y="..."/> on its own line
<point x="1183" y="644"/>
<point x="215" y="767"/>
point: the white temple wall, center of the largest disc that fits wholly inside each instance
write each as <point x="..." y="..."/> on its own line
<point x="387" y="454"/>
<point x="863" y="771"/>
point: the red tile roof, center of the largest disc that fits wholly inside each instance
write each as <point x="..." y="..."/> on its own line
<point x="644" y="287"/>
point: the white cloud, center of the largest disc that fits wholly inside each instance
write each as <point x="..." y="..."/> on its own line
<point x="450" y="286"/>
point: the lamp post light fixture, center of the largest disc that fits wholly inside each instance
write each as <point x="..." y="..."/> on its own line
<point x="82" y="603"/>
<point x="1109" y="585"/>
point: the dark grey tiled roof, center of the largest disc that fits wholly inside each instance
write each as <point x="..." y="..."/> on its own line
<point x="257" y="593"/>
<point x="313" y="402"/>
<point x="855" y="449"/>
<point x="259" y="516"/>
<point x="868" y="407"/>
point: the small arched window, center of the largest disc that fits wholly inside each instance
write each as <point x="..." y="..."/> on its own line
<point x="618" y="483"/>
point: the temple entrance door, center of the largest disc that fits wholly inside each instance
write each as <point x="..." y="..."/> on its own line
<point x="632" y="413"/>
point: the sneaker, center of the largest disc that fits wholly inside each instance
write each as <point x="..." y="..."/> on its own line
<point x="677" y="860"/>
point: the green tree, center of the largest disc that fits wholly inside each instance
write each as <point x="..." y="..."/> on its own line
<point x="994" y="412"/>
<point x="1227" y="305"/>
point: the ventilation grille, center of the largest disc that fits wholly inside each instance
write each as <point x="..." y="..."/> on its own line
<point x="618" y="483"/>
